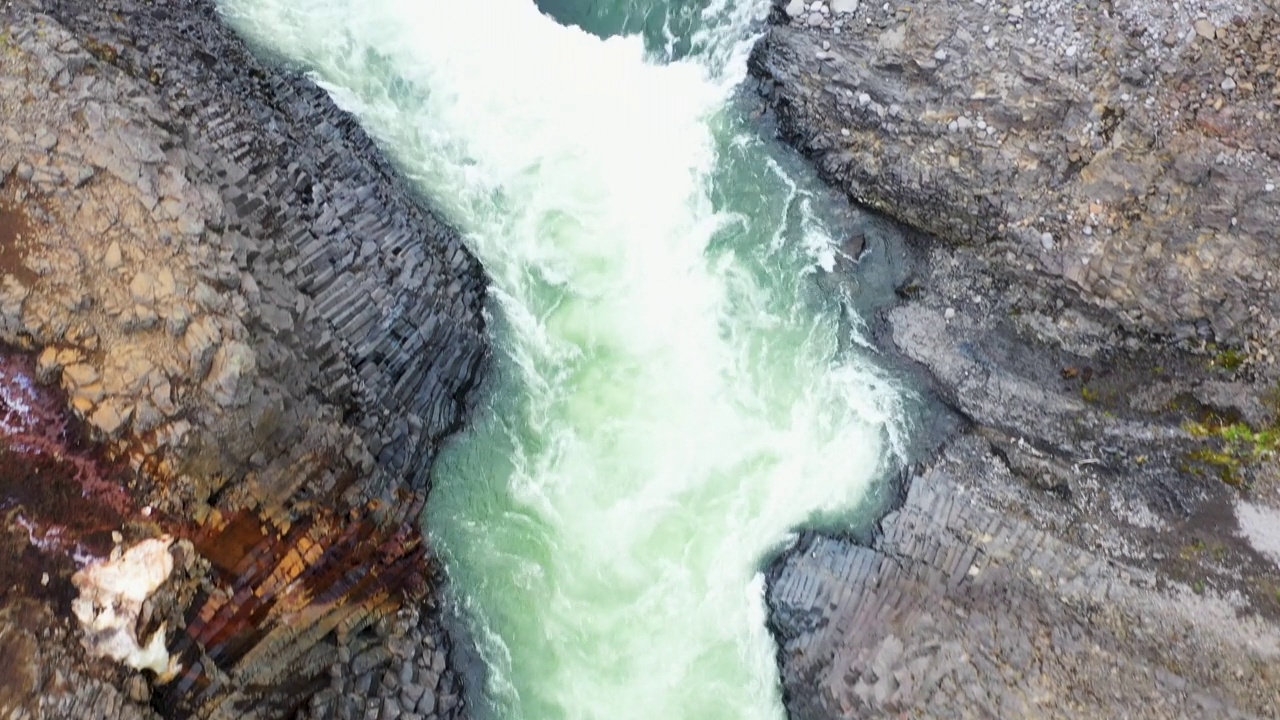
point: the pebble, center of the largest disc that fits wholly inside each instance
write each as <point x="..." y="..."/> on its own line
<point x="1269" y="187"/>
<point x="950" y="313"/>
<point x="1228" y="85"/>
<point x="795" y="8"/>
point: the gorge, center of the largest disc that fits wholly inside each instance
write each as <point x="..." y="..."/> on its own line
<point x="500" y="362"/>
<point x="673" y="398"/>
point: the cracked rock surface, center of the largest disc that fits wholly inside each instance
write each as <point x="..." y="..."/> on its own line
<point x="221" y="281"/>
<point x="1094" y="295"/>
<point x="1124" y="150"/>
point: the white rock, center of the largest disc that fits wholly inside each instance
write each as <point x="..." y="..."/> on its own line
<point x="111" y="596"/>
<point x="950" y="313"/>
<point x="1228" y="85"/>
<point x="1269" y="187"/>
<point x="844" y="6"/>
<point x="795" y="8"/>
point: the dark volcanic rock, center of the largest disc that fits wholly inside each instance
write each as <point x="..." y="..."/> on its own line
<point x="239" y="297"/>
<point x="1100" y="183"/>
<point x="1096" y="144"/>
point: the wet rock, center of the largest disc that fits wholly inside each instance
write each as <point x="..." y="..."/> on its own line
<point x="1095" y="202"/>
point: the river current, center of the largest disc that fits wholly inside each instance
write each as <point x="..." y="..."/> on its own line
<point x="675" y="391"/>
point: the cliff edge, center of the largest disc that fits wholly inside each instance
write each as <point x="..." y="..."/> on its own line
<point x="1093" y="290"/>
<point x="240" y="343"/>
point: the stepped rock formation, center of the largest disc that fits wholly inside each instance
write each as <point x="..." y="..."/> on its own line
<point x="1099" y="304"/>
<point x="208" y="268"/>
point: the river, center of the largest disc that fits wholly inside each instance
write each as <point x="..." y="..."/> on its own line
<point x="674" y="390"/>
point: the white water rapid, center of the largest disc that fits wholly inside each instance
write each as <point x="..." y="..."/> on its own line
<point x="674" y="397"/>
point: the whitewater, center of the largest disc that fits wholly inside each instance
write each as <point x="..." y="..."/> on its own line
<point x="673" y="394"/>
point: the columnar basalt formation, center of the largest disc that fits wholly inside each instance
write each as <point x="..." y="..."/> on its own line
<point x="212" y="271"/>
<point x="1097" y="301"/>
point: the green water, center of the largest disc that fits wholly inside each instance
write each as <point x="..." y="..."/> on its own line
<point x="675" y="391"/>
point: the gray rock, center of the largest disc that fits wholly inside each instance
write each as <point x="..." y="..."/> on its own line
<point x="229" y="376"/>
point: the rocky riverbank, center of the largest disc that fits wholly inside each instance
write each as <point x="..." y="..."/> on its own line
<point x="1097" y="300"/>
<point x="235" y="344"/>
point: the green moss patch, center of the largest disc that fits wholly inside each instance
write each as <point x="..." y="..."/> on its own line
<point x="1233" y="446"/>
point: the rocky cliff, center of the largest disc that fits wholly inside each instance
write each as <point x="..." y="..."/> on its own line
<point x="239" y="343"/>
<point x="1095" y="296"/>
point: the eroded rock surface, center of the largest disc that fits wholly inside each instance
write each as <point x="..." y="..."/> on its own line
<point x="1096" y="298"/>
<point x="963" y="610"/>
<point x="219" y="277"/>
<point x="1125" y="150"/>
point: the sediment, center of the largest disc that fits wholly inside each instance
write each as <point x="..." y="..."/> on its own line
<point x="1093" y="292"/>
<point x="249" y="340"/>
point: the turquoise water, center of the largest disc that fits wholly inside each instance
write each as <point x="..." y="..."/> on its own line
<point x="675" y="392"/>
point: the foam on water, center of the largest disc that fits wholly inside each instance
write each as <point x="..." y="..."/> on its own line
<point x="670" y="403"/>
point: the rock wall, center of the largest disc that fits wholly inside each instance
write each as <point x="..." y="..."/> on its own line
<point x="1122" y="149"/>
<point x="961" y="611"/>
<point x="236" y="296"/>
<point x="1094" y="294"/>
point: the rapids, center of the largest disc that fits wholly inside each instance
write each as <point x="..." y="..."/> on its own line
<point x="674" y="393"/>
